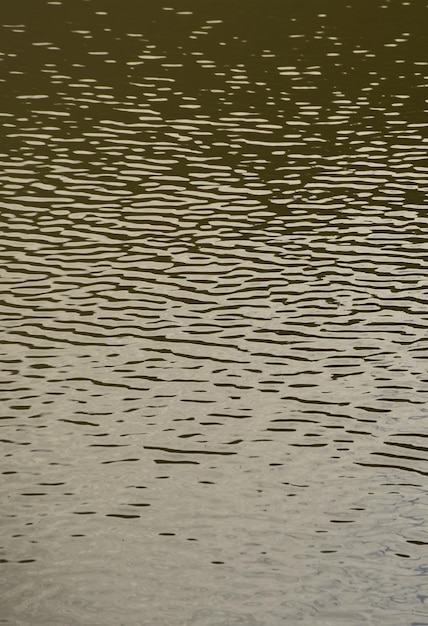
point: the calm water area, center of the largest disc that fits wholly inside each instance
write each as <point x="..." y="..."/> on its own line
<point x="214" y="335"/>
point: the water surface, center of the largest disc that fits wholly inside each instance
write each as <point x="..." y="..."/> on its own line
<point x="215" y="321"/>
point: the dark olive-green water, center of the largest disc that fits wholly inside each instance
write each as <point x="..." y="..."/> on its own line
<point x="214" y="346"/>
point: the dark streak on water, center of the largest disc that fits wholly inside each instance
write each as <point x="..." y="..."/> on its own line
<point x="215" y="323"/>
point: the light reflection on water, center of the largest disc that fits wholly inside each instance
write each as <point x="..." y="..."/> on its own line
<point x="214" y="313"/>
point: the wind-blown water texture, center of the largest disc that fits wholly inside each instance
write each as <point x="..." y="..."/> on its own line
<point x="215" y="321"/>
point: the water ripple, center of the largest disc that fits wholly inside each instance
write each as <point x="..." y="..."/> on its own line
<point x="214" y="312"/>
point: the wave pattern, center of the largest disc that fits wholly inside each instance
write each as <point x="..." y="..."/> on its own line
<point x="215" y="312"/>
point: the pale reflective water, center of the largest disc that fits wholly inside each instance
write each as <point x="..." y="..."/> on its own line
<point x="215" y="313"/>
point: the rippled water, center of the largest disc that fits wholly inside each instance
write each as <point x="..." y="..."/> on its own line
<point x="215" y="312"/>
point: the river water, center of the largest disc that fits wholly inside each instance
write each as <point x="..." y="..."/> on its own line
<point x="214" y="254"/>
